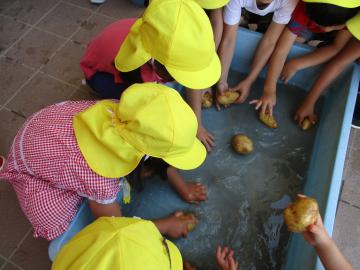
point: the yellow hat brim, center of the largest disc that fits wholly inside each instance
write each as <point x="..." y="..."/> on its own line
<point x="353" y="26"/>
<point x="175" y="256"/>
<point x="190" y="160"/>
<point x="340" y="3"/>
<point x="212" y="4"/>
<point x="132" y="54"/>
<point x="198" y="79"/>
<point x="105" y="152"/>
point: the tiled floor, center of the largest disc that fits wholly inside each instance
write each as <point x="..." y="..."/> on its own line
<point x="41" y="42"/>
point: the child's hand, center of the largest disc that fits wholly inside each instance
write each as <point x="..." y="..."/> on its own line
<point x="176" y="225"/>
<point x="194" y="193"/>
<point x="316" y="234"/>
<point x="289" y="70"/>
<point x="206" y="138"/>
<point x="266" y="102"/>
<point x="306" y="110"/>
<point x="225" y="258"/>
<point x="243" y="88"/>
<point x="221" y="88"/>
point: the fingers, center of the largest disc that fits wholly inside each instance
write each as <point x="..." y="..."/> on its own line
<point x="313" y="119"/>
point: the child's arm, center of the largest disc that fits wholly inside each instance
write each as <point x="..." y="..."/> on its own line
<point x="190" y="192"/>
<point x="276" y="63"/>
<point x="346" y="56"/>
<point x="216" y="19"/>
<point x="262" y="55"/>
<point x="329" y="254"/>
<point x="317" y="57"/>
<point x="105" y="210"/>
<point x="176" y="225"/>
<point x="226" y="52"/>
<point x="193" y="97"/>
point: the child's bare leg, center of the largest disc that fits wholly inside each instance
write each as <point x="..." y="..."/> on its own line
<point x="189" y="192"/>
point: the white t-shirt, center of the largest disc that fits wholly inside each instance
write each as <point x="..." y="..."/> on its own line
<point x="282" y="10"/>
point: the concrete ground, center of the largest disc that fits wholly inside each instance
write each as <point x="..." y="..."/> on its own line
<point x="41" y="43"/>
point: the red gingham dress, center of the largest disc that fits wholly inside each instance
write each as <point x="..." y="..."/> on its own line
<point x="49" y="173"/>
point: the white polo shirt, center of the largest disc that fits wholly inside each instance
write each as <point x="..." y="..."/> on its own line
<point x="282" y="10"/>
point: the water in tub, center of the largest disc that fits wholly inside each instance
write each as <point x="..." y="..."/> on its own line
<point x="247" y="194"/>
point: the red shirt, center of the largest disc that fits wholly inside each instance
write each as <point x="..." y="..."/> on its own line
<point x="299" y="16"/>
<point x="102" y="50"/>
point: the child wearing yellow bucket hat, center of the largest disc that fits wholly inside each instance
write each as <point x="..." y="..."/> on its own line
<point x="309" y="17"/>
<point x="158" y="47"/>
<point x="83" y="149"/>
<point x="127" y="244"/>
<point x="119" y="243"/>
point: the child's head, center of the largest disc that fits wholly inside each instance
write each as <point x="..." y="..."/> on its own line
<point x="161" y="71"/>
<point x="330" y="17"/>
<point x="119" y="243"/>
<point x="147" y="168"/>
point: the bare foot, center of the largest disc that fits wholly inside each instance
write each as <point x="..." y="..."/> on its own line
<point x="193" y="193"/>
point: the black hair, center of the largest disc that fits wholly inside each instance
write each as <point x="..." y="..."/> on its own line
<point x="156" y="165"/>
<point x="329" y="15"/>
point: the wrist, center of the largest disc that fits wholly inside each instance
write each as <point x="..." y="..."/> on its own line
<point x="325" y="243"/>
<point x="161" y="225"/>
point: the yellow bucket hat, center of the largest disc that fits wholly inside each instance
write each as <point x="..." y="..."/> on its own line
<point x="353" y="26"/>
<point x="150" y="119"/>
<point x="341" y="3"/>
<point x="119" y="243"/>
<point x="212" y="4"/>
<point x="178" y="34"/>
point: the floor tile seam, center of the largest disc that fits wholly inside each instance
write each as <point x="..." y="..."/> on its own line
<point x="66" y="40"/>
<point x="20" y="243"/>
<point x="9" y="7"/>
<point x="59" y="80"/>
<point x="21" y="87"/>
<point x="105" y="15"/>
<point x="30" y="28"/>
<point x="350" y="204"/>
<point x="12" y="263"/>
<point x="81" y="7"/>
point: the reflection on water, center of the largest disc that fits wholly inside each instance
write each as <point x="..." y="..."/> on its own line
<point x="246" y="193"/>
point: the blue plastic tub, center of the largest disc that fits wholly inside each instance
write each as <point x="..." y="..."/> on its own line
<point x="326" y="144"/>
<point x="324" y="177"/>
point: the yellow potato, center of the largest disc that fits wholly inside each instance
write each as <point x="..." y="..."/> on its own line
<point x="306" y="124"/>
<point x="299" y="215"/>
<point x="268" y="120"/>
<point x="207" y="100"/>
<point x="227" y="98"/>
<point x="190" y="226"/>
<point x="242" y="144"/>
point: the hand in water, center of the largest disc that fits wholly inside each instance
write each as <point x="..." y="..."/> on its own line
<point x="225" y="258"/>
<point x="194" y="193"/>
<point x="206" y="138"/>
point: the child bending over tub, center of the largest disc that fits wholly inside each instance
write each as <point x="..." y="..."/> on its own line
<point x="308" y="18"/>
<point x="282" y="10"/>
<point x="349" y="54"/>
<point x="78" y="150"/>
<point x="148" y="50"/>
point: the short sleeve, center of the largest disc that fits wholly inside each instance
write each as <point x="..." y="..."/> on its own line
<point x="282" y="14"/>
<point x="232" y="12"/>
<point x="86" y="183"/>
<point x="353" y="25"/>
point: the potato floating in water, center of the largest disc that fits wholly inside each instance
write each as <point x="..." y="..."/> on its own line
<point x="207" y="100"/>
<point x="306" y="124"/>
<point x="242" y="144"/>
<point x="299" y="215"/>
<point x="228" y="97"/>
<point x="268" y="120"/>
